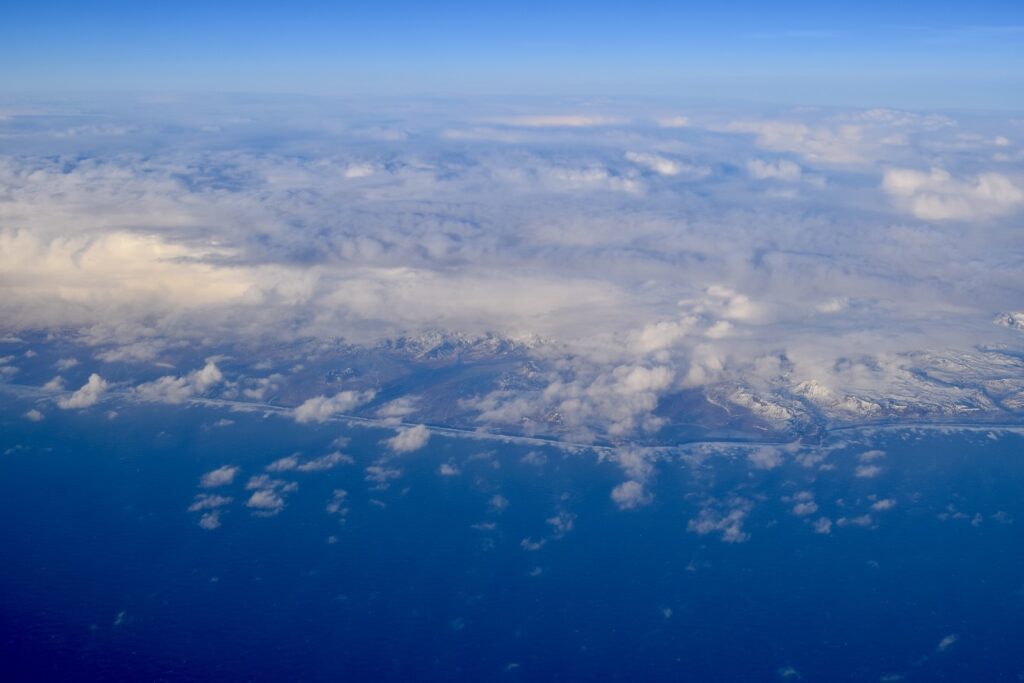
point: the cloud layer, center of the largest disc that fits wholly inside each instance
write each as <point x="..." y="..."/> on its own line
<point x="783" y="263"/>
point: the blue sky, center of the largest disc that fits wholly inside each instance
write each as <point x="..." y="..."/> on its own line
<point x="910" y="54"/>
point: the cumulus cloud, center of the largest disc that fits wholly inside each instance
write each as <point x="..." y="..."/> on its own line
<point x="630" y="494"/>
<point x="723" y="517"/>
<point x="88" y="395"/>
<point x="382" y="475"/>
<point x="170" y="389"/>
<point x="803" y="503"/>
<point x="765" y="458"/>
<point x="321" y="408"/>
<point x="293" y="463"/>
<point x="937" y="195"/>
<point x="222" y="476"/>
<point x="208" y="501"/>
<point x="867" y="471"/>
<point x="409" y="439"/>
<point x="210" y="520"/>
<point x="268" y="495"/>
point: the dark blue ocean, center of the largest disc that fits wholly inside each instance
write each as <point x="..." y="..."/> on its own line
<point x="515" y="564"/>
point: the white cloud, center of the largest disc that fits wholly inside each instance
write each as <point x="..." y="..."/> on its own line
<point x="823" y="525"/>
<point x="265" y="500"/>
<point x="338" y="504"/>
<point x="657" y="163"/>
<point x="382" y="475"/>
<point x="861" y="521"/>
<point x="208" y="501"/>
<point x="783" y="169"/>
<point x="268" y="494"/>
<point x="562" y="523"/>
<point x="398" y="409"/>
<point x="765" y="458"/>
<point x="34" y="415"/>
<point x="222" y="476"/>
<point x="674" y="122"/>
<point x="210" y="520"/>
<point x="562" y="121"/>
<point x="285" y="464"/>
<point x="627" y="299"/>
<point x="630" y="494"/>
<point x="937" y="195"/>
<point x="321" y="408"/>
<point x="841" y="144"/>
<point x="867" y="471"/>
<point x="55" y="384"/>
<point x="88" y="395"/>
<point x="884" y="504"/>
<point x="803" y="503"/>
<point x="323" y="463"/>
<point x="947" y="642"/>
<point x="409" y="439"/>
<point x="723" y="518"/>
<point x="169" y="389"/>
<point x="871" y="455"/>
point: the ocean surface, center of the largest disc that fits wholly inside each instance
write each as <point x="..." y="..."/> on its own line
<point x="884" y="554"/>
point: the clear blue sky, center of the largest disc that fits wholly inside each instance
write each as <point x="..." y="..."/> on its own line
<point x="929" y="53"/>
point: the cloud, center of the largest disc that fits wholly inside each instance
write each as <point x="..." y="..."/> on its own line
<point x="208" y="501"/>
<point x="947" y="642"/>
<point x="616" y="297"/>
<point x="321" y="408"/>
<point x="630" y="495"/>
<point x="723" y="517"/>
<point x="338" y="504"/>
<point x="657" y="163"/>
<point x="861" y="521"/>
<point x="398" y="409"/>
<point x="765" y="458"/>
<point x="783" y="169"/>
<point x="222" y="476"/>
<point x="210" y="520"/>
<point x="867" y="471"/>
<point x="937" y="195"/>
<point x="822" y="143"/>
<point x="169" y="389"/>
<point x="34" y="415"/>
<point x="382" y="475"/>
<point x="409" y="439"/>
<point x="265" y="501"/>
<point x="674" y="122"/>
<point x="803" y="503"/>
<point x="562" y="121"/>
<point x="88" y="395"/>
<point x="268" y="495"/>
<point x="323" y="463"/>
